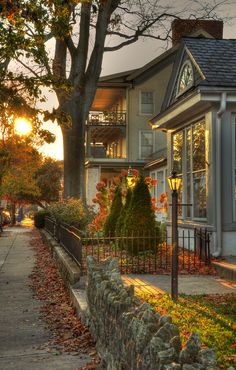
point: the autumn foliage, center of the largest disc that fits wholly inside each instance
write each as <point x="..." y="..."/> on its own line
<point x="104" y="200"/>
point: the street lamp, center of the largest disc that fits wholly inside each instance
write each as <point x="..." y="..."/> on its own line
<point x="130" y="178"/>
<point x="174" y="184"/>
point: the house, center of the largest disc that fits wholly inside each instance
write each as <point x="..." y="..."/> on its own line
<point x="192" y="90"/>
<point x="117" y="133"/>
<point x="198" y="115"/>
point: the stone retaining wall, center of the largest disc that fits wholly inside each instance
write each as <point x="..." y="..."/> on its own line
<point x="131" y="335"/>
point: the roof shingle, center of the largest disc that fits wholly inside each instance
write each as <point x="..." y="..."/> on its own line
<point x="216" y="59"/>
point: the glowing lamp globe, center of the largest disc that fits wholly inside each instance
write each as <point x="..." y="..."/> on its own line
<point x="22" y="126"/>
<point x="174" y="182"/>
<point x="130" y="178"/>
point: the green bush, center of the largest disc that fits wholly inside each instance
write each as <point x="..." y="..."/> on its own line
<point x="140" y="220"/>
<point x="71" y="212"/>
<point x="39" y="218"/>
<point x="116" y="207"/>
<point x="121" y="220"/>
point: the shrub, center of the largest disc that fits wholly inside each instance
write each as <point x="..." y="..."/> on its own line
<point x="71" y="212"/>
<point x="110" y="224"/>
<point x="39" y="218"/>
<point x="121" y="220"/>
<point x="140" y="218"/>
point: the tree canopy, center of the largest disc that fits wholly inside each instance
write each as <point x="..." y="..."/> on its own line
<point x="60" y="44"/>
<point x="25" y="175"/>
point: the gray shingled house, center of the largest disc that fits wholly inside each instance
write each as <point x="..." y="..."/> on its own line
<point x="199" y="116"/>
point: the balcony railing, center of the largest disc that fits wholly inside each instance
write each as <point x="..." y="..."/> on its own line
<point x="107" y="119"/>
<point x="102" y="152"/>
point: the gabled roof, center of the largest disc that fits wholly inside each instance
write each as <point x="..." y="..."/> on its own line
<point x="214" y="63"/>
<point x="117" y="77"/>
<point x="215" y="58"/>
<point x="140" y="74"/>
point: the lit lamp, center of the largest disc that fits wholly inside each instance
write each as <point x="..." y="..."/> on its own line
<point x="130" y="178"/>
<point x="175" y="184"/>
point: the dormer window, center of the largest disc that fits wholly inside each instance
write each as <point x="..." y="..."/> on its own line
<point x="186" y="78"/>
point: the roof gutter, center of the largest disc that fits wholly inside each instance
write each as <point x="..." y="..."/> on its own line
<point x="221" y="111"/>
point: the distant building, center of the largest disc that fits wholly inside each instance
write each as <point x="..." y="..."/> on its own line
<point x="118" y="135"/>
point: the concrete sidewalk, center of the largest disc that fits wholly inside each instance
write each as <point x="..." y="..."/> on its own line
<point x="22" y="331"/>
<point x="188" y="284"/>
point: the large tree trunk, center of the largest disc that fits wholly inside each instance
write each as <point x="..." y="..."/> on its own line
<point x="74" y="155"/>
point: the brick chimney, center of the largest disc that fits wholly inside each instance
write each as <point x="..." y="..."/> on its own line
<point x="187" y="27"/>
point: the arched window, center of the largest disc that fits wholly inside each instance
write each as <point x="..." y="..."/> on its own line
<point x="186" y="78"/>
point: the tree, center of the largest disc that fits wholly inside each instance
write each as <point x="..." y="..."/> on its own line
<point x="80" y="30"/>
<point x="140" y="217"/>
<point x="119" y="230"/>
<point x="48" y="179"/>
<point x="18" y="178"/>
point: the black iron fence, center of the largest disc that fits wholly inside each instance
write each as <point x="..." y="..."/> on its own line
<point x="152" y="253"/>
<point x="68" y="237"/>
<point x="139" y="253"/>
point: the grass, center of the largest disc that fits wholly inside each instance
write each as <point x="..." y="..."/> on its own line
<point x="212" y="316"/>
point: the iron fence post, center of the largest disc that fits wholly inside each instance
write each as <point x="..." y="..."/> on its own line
<point x="174" y="268"/>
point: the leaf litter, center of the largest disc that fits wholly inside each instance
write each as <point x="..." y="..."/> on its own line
<point x="68" y="333"/>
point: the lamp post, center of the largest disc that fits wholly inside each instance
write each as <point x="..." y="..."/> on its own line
<point x="174" y="183"/>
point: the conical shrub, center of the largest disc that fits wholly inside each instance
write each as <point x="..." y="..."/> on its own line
<point x="121" y="220"/>
<point x="116" y="207"/>
<point x="140" y="224"/>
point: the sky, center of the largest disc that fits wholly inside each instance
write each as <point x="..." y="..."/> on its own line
<point x="128" y="58"/>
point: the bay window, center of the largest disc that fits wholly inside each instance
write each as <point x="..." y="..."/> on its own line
<point x="189" y="161"/>
<point x="234" y="163"/>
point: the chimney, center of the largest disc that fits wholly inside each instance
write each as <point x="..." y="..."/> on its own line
<point x="187" y="27"/>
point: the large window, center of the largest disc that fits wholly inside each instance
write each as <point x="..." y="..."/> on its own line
<point x="145" y="144"/>
<point x="146" y="102"/>
<point x="189" y="161"/>
<point x="234" y="164"/>
<point x="158" y="189"/>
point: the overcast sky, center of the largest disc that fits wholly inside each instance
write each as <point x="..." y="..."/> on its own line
<point x="131" y="57"/>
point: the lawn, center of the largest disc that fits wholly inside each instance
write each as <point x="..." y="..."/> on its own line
<point x="212" y="316"/>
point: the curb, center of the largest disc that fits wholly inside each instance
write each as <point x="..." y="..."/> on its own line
<point x="225" y="270"/>
<point x="71" y="274"/>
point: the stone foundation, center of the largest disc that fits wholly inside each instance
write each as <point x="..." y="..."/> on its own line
<point x="132" y="336"/>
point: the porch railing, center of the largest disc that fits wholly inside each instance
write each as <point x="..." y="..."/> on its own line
<point x="107" y="119"/>
<point x="139" y="253"/>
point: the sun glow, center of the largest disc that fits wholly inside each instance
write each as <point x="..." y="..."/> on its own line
<point x="22" y="126"/>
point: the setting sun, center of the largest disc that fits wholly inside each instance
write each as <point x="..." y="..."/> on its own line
<point x="22" y="126"/>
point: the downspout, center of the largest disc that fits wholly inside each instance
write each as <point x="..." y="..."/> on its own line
<point x="220" y="113"/>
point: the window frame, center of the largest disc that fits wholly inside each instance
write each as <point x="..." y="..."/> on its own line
<point x="184" y="173"/>
<point x="140" y="102"/>
<point x="234" y="164"/>
<point x="140" y="142"/>
<point x="178" y="92"/>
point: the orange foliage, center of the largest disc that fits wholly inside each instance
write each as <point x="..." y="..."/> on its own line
<point x="105" y="196"/>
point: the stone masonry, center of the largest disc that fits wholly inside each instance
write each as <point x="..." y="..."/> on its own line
<point x="131" y="335"/>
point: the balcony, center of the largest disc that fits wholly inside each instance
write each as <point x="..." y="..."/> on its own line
<point x="112" y="151"/>
<point x="107" y="119"/>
